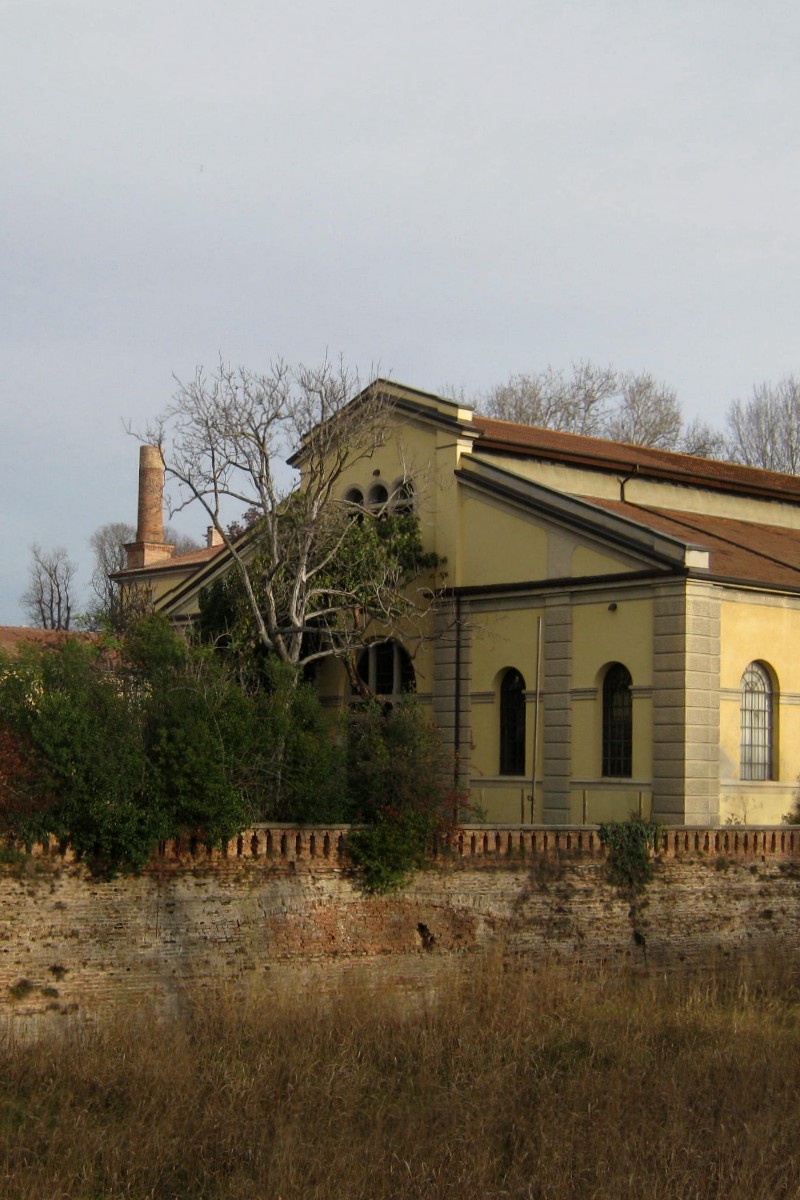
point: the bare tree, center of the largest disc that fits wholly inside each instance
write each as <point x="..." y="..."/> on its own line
<point x="627" y="406"/>
<point x="313" y="576"/>
<point x="47" y="600"/>
<point x="764" y="431"/>
<point x="647" y="414"/>
<point x="703" y="441"/>
<point x="112" y="605"/>
<point x="551" y="400"/>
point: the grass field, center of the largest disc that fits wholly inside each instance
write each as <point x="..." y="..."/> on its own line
<point x="512" y="1083"/>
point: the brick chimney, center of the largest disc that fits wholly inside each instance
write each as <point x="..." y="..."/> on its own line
<point x="150" y="546"/>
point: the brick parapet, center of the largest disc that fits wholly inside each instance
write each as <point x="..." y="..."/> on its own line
<point x="324" y="847"/>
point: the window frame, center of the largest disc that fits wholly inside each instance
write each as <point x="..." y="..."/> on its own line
<point x="756" y="724"/>
<point x="513" y="722"/>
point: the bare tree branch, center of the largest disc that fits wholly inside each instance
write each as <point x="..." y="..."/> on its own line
<point x="304" y="560"/>
<point x="764" y="431"/>
<point x="48" y="598"/>
<point x="627" y="406"/>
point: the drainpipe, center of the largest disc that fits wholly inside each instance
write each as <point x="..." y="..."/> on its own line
<point x="536" y="710"/>
<point x="457" y="712"/>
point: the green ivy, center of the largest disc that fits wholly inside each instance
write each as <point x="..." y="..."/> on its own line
<point x="630" y="846"/>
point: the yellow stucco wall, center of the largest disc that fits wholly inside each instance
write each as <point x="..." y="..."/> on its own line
<point x="422" y="453"/>
<point x="507" y="637"/>
<point x="502" y="639"/>
<point x="601" y="637"/>
<point x="583" y="481"/>
<point x="499" y="545"/>
<point x="765" y="630"/>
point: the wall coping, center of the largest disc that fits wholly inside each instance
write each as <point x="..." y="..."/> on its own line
<point x="324" y="846"/>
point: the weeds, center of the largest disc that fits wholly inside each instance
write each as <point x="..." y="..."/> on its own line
<point x="512" y="1082"/>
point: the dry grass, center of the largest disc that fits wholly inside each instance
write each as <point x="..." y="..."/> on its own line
<point x="512" y="1083"/>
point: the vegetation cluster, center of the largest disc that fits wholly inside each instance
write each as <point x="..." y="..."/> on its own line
<point x="509" y="1082"/>
<point x="117" y="747"/>
<point x="630" y="845"/>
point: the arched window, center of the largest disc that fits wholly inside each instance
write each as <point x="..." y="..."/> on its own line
<point x="378" y="496"/>
<point x="387" y="670"/>
<point x="755" y="753"/>
<point x="617" y="723"/>
<point x="355" y="496"/>
<point x="512" y="724"/>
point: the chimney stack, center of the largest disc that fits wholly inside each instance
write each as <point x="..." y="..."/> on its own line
<point x="150" y="546"/>
<point x="151" y="495"/>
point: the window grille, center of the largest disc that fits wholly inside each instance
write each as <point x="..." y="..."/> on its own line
<point x="755" y="758"/>
<point x="512" y="724"/>
<point x="617" y="723"/>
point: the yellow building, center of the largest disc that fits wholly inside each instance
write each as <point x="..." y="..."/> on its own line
<point x="620" y="630"/>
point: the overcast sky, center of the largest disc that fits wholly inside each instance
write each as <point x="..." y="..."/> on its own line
<point x="455" y="190"/>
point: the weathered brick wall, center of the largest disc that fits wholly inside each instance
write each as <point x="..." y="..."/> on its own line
<point x="283" y="910"/>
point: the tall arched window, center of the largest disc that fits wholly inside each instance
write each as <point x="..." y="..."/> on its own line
<point x="755" y="753"/>
<point x="617" y="723"/>
<point x="512" y="724"/>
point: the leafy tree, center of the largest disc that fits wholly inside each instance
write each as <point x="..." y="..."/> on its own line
<point x="128" y="750"/>
<point x="82" y="745"/>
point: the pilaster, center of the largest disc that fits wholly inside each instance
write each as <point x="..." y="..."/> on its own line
<point x="557" y="756"/>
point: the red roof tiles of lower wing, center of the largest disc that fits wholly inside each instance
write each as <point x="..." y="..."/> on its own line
<point x="767" y="554"/>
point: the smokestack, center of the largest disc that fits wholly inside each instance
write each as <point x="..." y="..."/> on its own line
<point x="150" y="546"/>
<point x="151" y="495"/>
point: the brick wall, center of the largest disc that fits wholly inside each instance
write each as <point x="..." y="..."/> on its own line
<point x="282" y="910"/>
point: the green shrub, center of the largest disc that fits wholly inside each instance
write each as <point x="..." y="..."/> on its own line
<point x="398" y="782"/>
<point x="128" y="750"/>
<point x="630" y="844"/>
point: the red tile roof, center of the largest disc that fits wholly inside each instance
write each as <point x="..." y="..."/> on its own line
<point x="12" y="636"/>
<point x="194" y="558"/>
<point x="507" y="437"/>
<point x="743" y="550"/>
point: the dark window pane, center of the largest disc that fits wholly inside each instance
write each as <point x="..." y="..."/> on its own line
<point x="512" y="724"/>
<point x="384" y="668"/>
<point x="617" y="723"/>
